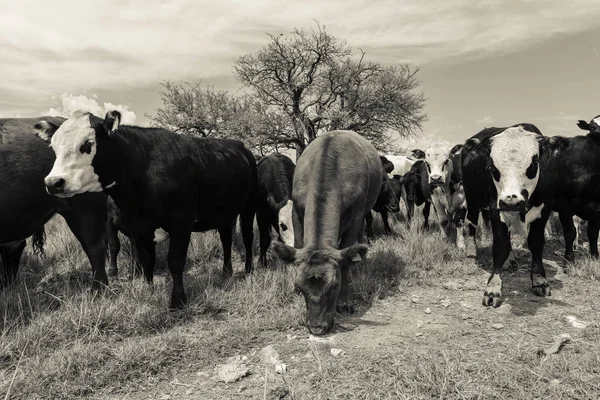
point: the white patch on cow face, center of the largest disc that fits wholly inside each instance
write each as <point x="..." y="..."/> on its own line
<point x="286" y="227"/>
<point x="515" y="170"/>
<point x="74" y="144"/>
<point x="439" y="165"/>
<point x="160" y="235"/>
<point x="514" y="223"/>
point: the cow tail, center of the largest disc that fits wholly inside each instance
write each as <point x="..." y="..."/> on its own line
<point x="38" y="240"/>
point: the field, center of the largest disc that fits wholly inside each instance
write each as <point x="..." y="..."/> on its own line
<point x="419" y="330"/>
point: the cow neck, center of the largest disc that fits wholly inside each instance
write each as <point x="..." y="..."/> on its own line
<point x="322" y="219"/>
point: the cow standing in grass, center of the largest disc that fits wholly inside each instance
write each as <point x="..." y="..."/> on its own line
<point x="518" y="174"/>
<point x="25" y="206"/>
<point x="159" y="180"/>
<point x="336" y="183"/>
<point x="275" y="178"/>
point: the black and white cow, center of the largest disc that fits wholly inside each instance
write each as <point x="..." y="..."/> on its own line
<point x="446" y="188"/>
<point x="521" y="176"/>
<point x="275" y="178"/>
<point x="159" y="179"/>
<point x="25" y="206"/>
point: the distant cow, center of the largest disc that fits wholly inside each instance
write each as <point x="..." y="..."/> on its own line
<point x="275" y="178"/>
<point x="336" y="183"/>
<point x="416" y="184"/>
<point x="159" y="179"/>
<point x="446" y="187"/>
<point x="25" y="206"/>
<point x="521" y="175"/>
<point x="387" y="201"/>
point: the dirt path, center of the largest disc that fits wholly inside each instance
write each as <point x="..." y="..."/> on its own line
<point x="424" y="336"/>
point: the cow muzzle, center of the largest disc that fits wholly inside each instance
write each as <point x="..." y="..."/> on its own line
<point x="512" y="203"/>
<point x="55" y="185"/>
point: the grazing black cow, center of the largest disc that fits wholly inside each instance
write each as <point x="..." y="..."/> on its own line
<point x="114" y="225"/>
<point x="159" y="179"/>
<point x="336" y="183"/>
<point x="521" y="176"/>
<point x="25" y="206"/>
<point x="387" y="201"/>
<point x="275" y="177"/>
<point x="418" y="192"/>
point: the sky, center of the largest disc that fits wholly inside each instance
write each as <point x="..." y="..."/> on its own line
<point x="482" y="63"/>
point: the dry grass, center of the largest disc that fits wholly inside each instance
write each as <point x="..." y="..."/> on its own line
<point x="57" y="340"/>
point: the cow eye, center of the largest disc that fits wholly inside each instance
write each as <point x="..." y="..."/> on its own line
<point x="533" y="168"/>
<point x="87" y="147"/>
<point x="495" y="173"/>
<point x="283" y="227"/>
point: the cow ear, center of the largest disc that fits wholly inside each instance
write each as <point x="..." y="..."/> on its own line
<point x="583" y="125"/>
<point x="355" y="253"/>
<point x="112" y="120"/>
<point x="388" y="166"/>
<point x="45" y="129"/>
<point x="285" y="252"/>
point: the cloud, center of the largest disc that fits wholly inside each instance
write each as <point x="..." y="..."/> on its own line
<point x="66" y="46"/>
<point x="485" y="120"/>
<point x="70" y="103"/>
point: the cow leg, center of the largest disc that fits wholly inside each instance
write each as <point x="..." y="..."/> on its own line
<point x="247" y="227"/>
<point x="344" y="300"/>
<point x="592" y="233"/>
<point x="441" y="214"/>
<point x="10" y="253"/>
<point x="264" y="229"/>
<point x="226" y="235"/>
<point x="298" y="221"/>
<point x="114" y="246"/>
<point x="472" y="219"/>
<point x="89" y="227"/>
<point x="500" y="252"/>
<point x="570" y="234"/>
<point x="146" y="255"/>
<point x="459" y="222"/>
<point x="369" y="224"/>
<point x="576" y="222"/>
<point x="410" y="211"/>
<point x="535" y="241"/>
<point x="426" y="210"/>
<point x="386" y="223"/>
<point x="178" y="247"/>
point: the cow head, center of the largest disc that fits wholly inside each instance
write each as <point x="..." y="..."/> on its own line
<point x="76" y="143"/>
<point x="438" y="163"/>
<point x="515" y="155"/>
<point x="418" y="154"/>
<point x="388" y="166"/>
<point x="593" y="126"/>
<point x="389" y="195"/>
<point x="319" y="279"/>
<point x="283" y="211"/>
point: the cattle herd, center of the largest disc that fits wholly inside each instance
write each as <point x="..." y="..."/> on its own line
<point x="152" y="184"/>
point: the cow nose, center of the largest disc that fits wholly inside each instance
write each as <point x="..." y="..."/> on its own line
<point x="436" y="177"/>
<point x="55" y="185"/>
<point x="511" y="202"/>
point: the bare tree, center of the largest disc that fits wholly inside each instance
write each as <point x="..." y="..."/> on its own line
<point x="312" y="79"/>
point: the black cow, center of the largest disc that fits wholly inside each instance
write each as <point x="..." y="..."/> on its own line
<point x="418" y="154"/>
<point x="387" y="201"/>
<point x="25" y="206"/>
<point x="521" y="176"/>
<point x="159" y="180"/>
<point x="275" y="178"/>
<point x="418" y="192"/>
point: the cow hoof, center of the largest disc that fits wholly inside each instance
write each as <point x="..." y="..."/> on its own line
<point x="345" y="308"/>
<point x="177" y="303"/>
<point x="542" y="290"/>
<point x="492" y="299"/>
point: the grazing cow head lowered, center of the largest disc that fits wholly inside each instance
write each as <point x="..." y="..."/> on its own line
<point x="319" y="279"/>
<point x="284" y="212"/>
<point x="593" y="126"/>
<point x="76" y="145"/>
<point x="438" y="163"/>
<point x="514" y="157"/>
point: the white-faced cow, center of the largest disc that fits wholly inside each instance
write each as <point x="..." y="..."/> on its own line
<point x="25" y="206"/>
<point x="521" y="176"/>
<point x="337" y="180"/>
<point x="159" y="180"/>
<point x="447" y="194"/>
<point x="275" y="178"/>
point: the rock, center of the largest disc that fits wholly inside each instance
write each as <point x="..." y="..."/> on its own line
<point x="428" y="310"/>
<point x="576" y="323"/>
<point x="232" y="372"/>
<point x="451" y="285"/>
<point x="336" y="352"/>
<point x="415" y="299"/>
<point x="558" y="343"/>
<point x="445" y="303"/>
<point x="497" y="326"/>
<point x="280" y="368"/>
<point x="419" y="334"/>
<point x="466" y="317"/>
<point x="553" y="383"/>
<point x="269" y="355"/>
<point x="419" y="324"/>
